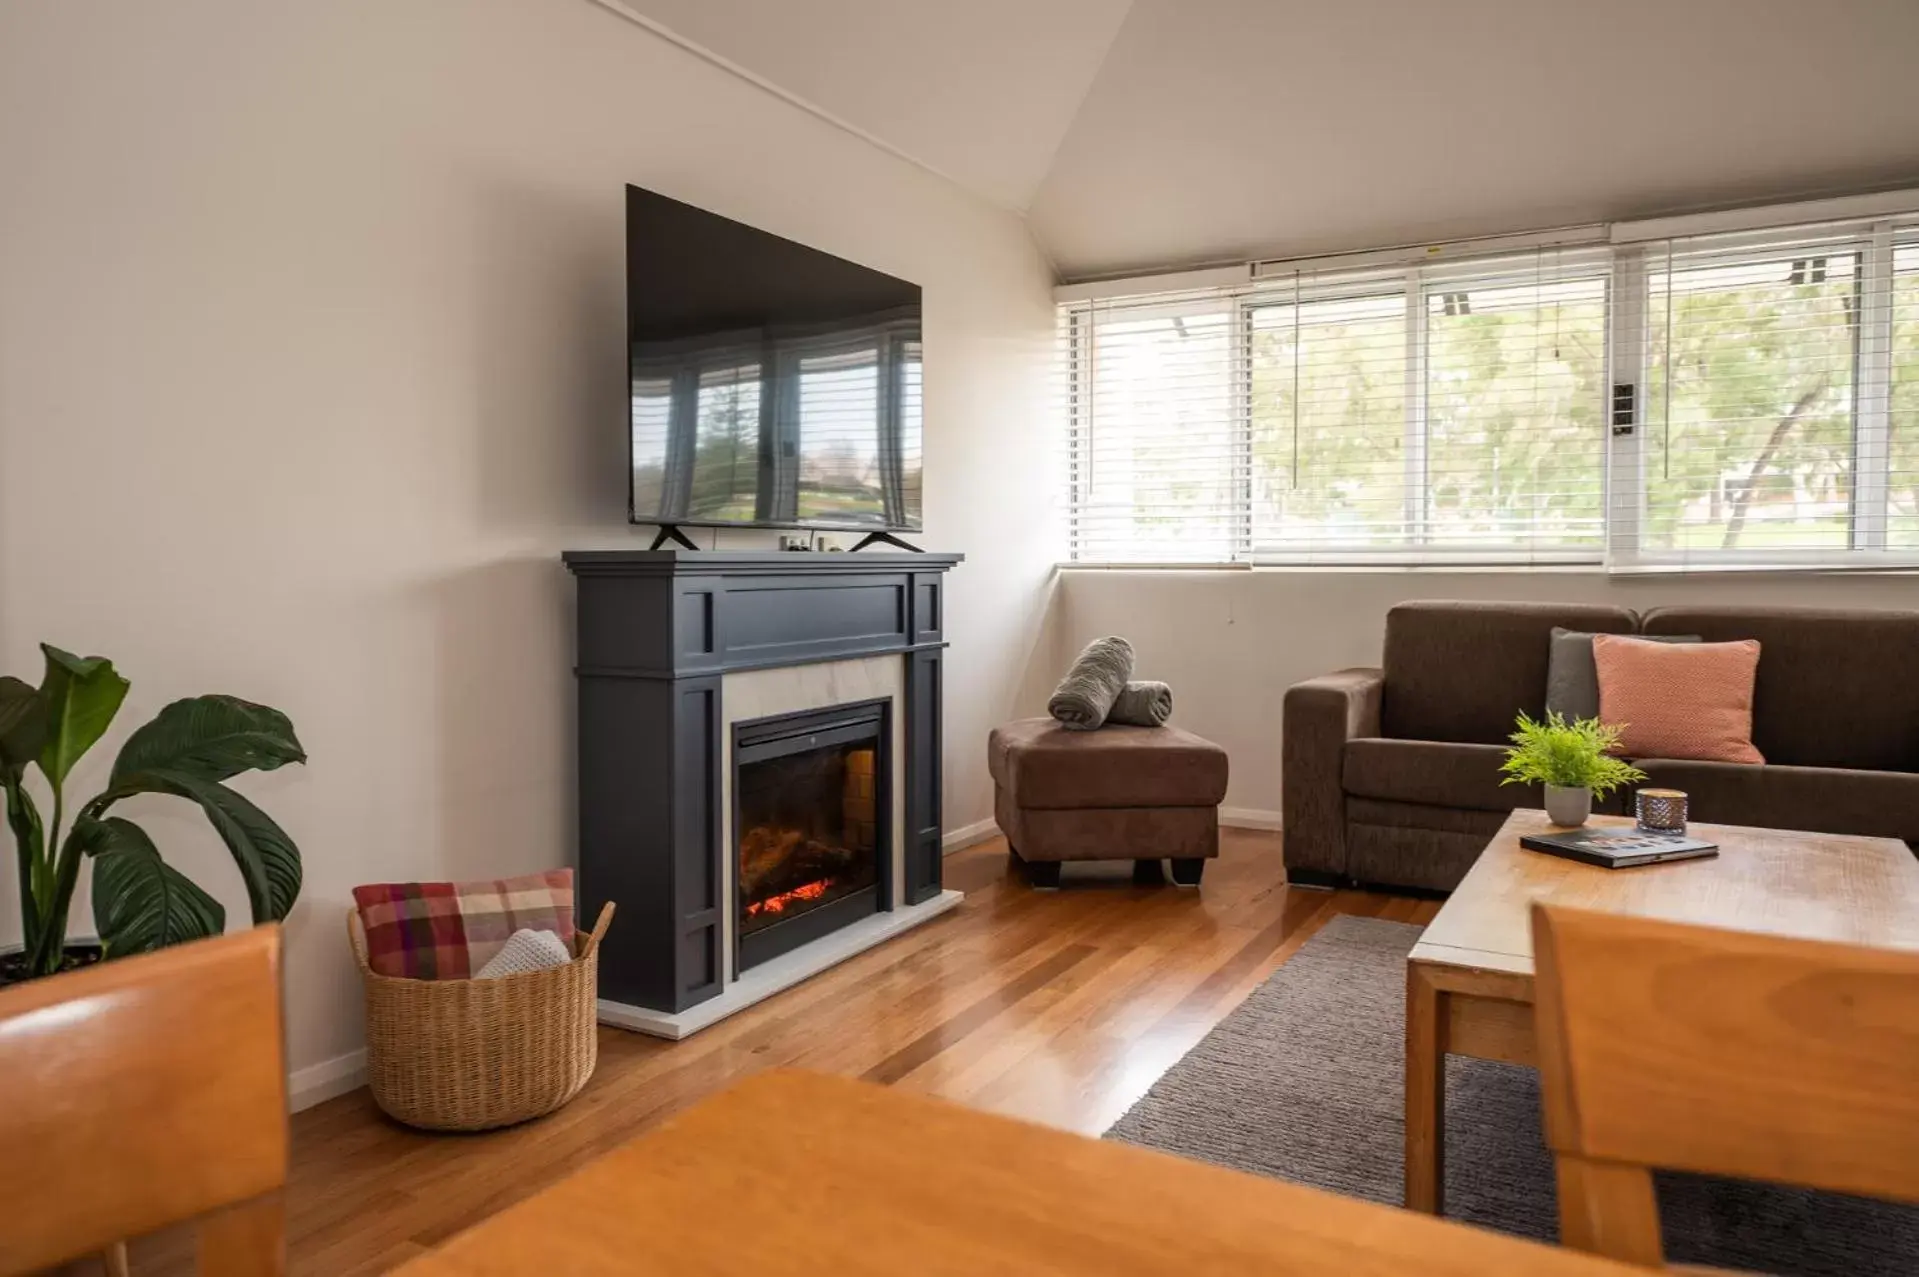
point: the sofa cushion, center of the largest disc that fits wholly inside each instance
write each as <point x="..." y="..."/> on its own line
<point x="1458" y="671"/>
<point x="1678" y="700"/>
<point x="1572" y="677"/>
<point x="1437" y="773"/>
<point x="1835" y="688"/>
<point x="1820" y="799"/>
<point x="1038" y="764"/>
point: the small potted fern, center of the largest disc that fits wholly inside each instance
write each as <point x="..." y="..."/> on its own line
<point x="1573" y="760"/>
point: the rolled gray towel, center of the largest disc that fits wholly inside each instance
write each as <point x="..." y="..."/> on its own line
<point x="1086" y="694"/>
<point x="1145" y="704"/>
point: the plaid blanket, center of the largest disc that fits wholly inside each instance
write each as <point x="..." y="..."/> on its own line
<point x="448" y="930"/>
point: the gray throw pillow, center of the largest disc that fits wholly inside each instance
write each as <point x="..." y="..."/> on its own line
<point x="1572" y="679"/>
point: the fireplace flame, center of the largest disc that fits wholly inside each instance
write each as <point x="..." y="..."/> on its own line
<point x="777" y="904"/>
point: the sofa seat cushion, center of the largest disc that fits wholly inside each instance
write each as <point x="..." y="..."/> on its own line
<point x="1040" y="765"/>
<point x="1436" y="773"/>
<point x="1817" y="799"/>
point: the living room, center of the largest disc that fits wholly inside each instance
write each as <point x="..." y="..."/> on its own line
<point x="1243" y="325"/>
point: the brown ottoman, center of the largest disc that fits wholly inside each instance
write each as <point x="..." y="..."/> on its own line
<point x="1120" y="793"/>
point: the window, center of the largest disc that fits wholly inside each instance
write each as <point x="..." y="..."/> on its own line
<point x="1430" y="414"/>
<point x="1163" y="481"/>
<point x="1733" y="400"/>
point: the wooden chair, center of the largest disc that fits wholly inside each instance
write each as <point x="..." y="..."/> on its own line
<point x="145" y="1092"/>
<point x="1720" y="1052"/>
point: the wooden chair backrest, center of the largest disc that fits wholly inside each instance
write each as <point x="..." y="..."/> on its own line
<point x="145" y="1092"/>
<point x="1722" y="1052"/>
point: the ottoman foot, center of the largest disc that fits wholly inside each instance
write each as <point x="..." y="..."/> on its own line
<point x="1043" y="874"/>
<point x="1186" y="872"/>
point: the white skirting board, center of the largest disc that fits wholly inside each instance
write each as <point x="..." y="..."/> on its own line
<point x="778" y="974"/>
<point x="968" y="836"/>
<point x="1248" y="818"/>
<point x="317" y="1083"/>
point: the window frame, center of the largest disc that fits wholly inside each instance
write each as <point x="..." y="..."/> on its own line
<point x="1622" y="414"/>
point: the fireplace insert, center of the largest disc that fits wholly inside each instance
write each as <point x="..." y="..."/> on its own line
<point x="812" y="825"/>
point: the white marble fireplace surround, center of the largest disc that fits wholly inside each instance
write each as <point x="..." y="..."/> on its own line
<point x="762" y="693"/>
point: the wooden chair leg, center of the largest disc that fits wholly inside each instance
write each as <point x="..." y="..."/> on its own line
<point x="245" y="1240"/>
<point x="114" y="1260"/>
<point x="1609" y="1209"/>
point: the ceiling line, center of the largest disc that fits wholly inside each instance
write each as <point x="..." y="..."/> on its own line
<point x="698" y="50"/>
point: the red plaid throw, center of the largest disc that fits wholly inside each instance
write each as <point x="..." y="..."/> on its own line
<point x="448" y="930"/>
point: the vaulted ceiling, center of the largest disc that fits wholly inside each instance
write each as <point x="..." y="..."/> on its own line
<point x="1159" y="133"/>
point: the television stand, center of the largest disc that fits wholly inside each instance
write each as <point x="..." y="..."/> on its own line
<point x="671" y="532"/>
<point x="885" y="538"/>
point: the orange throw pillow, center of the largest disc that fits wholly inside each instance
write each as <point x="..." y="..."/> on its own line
<point x="1679" y="700"/>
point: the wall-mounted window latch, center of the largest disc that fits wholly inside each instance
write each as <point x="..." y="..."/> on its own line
<point x="1624" y="399"/>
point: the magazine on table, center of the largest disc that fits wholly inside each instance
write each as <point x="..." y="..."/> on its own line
<point x="1619" y="847"/>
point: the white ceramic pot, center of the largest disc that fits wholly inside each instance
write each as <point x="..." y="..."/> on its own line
<point x="1568" y="807"/>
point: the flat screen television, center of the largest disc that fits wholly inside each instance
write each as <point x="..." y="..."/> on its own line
<point x="773" y="385"/>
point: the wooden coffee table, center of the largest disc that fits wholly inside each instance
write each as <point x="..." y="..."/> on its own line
<point x="1469" y="980"/>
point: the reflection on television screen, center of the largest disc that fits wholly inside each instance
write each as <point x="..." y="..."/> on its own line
<point x="772" y="384"/>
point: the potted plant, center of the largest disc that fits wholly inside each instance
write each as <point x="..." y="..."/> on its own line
<point x="189" y="749"/>
<point x="1572" y="760"/>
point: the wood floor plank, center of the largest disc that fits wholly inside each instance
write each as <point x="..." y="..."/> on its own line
<point x="1062" y="1007"/>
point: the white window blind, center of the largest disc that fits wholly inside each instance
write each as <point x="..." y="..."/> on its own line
<point x="1432" y="414"/>
<point x="1408" y="414"/>
<point x="1710" y="402"/>
<point x="1902" y="450"/>
<point x="1768" y="433"/>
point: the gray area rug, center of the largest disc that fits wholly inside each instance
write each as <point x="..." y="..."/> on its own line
<point x="1304" y="1082"/>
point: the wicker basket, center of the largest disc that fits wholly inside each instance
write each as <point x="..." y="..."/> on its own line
<point x="468" y="1055"/>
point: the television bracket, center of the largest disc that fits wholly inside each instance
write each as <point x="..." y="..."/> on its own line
<point x="885" y="538"/>
<point x="671" y="532"/>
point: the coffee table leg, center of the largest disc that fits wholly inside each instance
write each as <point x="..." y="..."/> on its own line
<point x="1425" y="1091"/>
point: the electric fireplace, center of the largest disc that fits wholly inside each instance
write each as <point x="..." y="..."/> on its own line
<point x="812" y="822"/>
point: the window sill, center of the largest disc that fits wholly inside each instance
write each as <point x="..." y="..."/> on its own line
<point x="1504" y="569"/>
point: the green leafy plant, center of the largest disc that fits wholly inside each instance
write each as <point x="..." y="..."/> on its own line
<point x="189" y="750"/>
<point x="1575" y="755"/>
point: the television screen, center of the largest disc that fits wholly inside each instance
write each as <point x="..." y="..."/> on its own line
<point x="773" y="385"/>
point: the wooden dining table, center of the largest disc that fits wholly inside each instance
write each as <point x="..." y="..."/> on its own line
<point x="793" y="1173"/>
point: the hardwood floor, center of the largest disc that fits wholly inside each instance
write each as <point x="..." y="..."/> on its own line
<point x="1059" y="1007"/>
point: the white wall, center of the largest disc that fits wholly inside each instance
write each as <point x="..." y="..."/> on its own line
<point x="1231" y="643"/>
<point x="311" y="364"/>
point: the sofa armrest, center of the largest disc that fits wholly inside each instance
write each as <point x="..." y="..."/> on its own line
<point x="1320" y="716"/>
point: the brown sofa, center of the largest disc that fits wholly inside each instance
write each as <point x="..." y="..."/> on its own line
<point x="1390" y="775"/>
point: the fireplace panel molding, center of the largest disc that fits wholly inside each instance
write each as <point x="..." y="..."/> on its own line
<point x="674" y="648"/>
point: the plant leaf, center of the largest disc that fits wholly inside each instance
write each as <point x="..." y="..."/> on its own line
<point x="82" y="695"/>
<point x="23" y="724"/>
<point x="269" y="862"/>
<point x="212" y="738"/>
<point x="140" y="902"/>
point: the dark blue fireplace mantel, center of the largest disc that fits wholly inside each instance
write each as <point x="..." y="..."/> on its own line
<point x="657" y="630"/>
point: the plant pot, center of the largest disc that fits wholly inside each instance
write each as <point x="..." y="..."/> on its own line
<point x="1568" y="807"/>
<point x="79" y="953"/>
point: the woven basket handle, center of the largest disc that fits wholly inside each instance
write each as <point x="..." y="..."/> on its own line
<point x="356" y="936"/>
<point x="592" y="940"/>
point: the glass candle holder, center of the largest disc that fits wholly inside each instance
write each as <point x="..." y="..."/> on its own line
<point x="1662" y="811"/>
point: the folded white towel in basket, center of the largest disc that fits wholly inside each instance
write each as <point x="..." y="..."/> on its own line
<point x="526" y="950"/>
